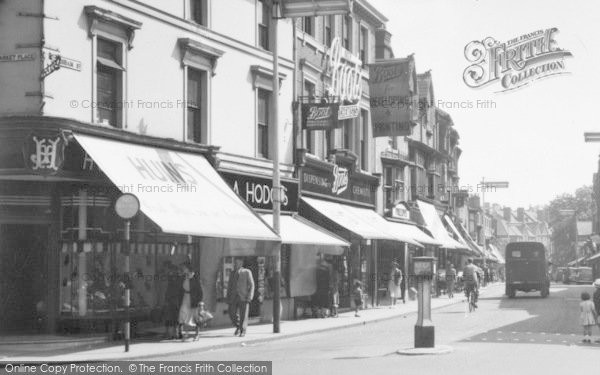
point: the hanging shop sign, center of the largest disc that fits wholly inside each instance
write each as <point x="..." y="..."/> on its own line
<point x="394" y="103"/>
<point x="338" y="182"/>
<point x="348" y="111"/>
<point x="346" y="77"/>
<point x="258" y="191"/>
<point x="327" y="116"/>
<point x="44" y="152"/>
<point x="320" y="116"/>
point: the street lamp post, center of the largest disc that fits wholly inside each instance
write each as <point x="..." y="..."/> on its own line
<point x="276" y="199"/>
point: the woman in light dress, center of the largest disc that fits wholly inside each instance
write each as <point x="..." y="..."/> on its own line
<point x="394" y="283"/>
<point x="191" y="297"/>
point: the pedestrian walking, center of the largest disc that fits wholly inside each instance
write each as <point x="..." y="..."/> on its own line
<point x="395" y="278"/>
<point x="596" y="299"/>
<point x="191" y="297"/>
<point x="587" y="317"/>
<point x="172" y="300"/>
<point x="240" y="292"/>
<point x="358" y="297"/>
<point x="335" y="292"/>
<point x="450" y="279"/>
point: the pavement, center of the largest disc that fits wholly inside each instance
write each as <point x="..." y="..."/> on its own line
<point x="214" y="339"/>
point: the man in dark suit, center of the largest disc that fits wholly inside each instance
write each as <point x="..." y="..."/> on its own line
<point x="240" y="291"/>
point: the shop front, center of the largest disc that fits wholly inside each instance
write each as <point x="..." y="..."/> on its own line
<point x="341" y="199"/>
<point x="450" y="249"/>
<point x="399" y="221"/>
<point x="62" y="251"/>
<point x="304" y="248"/>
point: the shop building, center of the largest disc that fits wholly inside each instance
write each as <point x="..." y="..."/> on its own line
<point x="336" y="157"/>
<point x="86" y="117"/>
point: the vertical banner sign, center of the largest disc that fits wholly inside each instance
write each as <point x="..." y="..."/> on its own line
<point x="394" y="100"/>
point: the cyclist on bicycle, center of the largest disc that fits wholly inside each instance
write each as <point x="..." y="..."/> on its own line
<point x="471" y="280"/>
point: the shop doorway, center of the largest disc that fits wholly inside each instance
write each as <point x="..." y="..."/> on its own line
<point x="23" y="277"/>
<point x="254" y="265"/>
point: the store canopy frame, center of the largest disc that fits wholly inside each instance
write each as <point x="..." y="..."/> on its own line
<point x="180" y="192"/>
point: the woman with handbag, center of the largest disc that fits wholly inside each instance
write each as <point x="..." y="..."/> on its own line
<point x="190" y="300"/>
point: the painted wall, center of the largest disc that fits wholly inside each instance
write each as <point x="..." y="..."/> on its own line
<point x="20" y="33"/>
<point x="154" y="83"/>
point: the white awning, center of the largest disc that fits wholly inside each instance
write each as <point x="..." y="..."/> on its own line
<point x="180" y="192"/>
<point x="295" y="230"/>
<point x="413" y="232"/>
<point x="494" y="250"/>
<point x="436" y="227"/>
<point x="362" y="221"/>
<point x="461" y="240"/>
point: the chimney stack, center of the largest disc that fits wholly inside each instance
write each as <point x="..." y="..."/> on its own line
<point x="507" y="214"/>
<point x="521" y="214"/>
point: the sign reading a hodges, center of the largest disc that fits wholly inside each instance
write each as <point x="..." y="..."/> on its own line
<point x="394" y="100"/>
<point x="515" y="63"/>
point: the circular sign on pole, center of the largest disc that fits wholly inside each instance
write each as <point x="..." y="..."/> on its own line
<point x="127" y="206"/>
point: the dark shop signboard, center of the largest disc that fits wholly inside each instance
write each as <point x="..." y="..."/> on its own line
<point x="337" y="182"/>
<point x="327" y="116"/>
<point x="258" y="191"/>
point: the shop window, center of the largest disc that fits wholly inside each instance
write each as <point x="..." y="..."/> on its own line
<point x="92" y="277"/>
<point x="196" y="83"/>
<point x="263" y="25"/>
<point x="109" y="81"/>
<point x="262" y="125"/>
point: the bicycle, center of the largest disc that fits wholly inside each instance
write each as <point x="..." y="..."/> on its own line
<point x="471" y="299"/>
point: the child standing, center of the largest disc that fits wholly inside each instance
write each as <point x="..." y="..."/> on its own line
<point x="358" y="294"/>
<point x="587" y="316"/>
<point x="597" y="302"/>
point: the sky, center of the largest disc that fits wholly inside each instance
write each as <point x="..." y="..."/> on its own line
<point x="531" y="137"/>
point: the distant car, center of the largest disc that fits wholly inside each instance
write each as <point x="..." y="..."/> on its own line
<point x="578" y="275"/>
<point x="526" y="268"/>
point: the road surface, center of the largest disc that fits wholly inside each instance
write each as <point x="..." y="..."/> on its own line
<point x="525" y="335"/>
